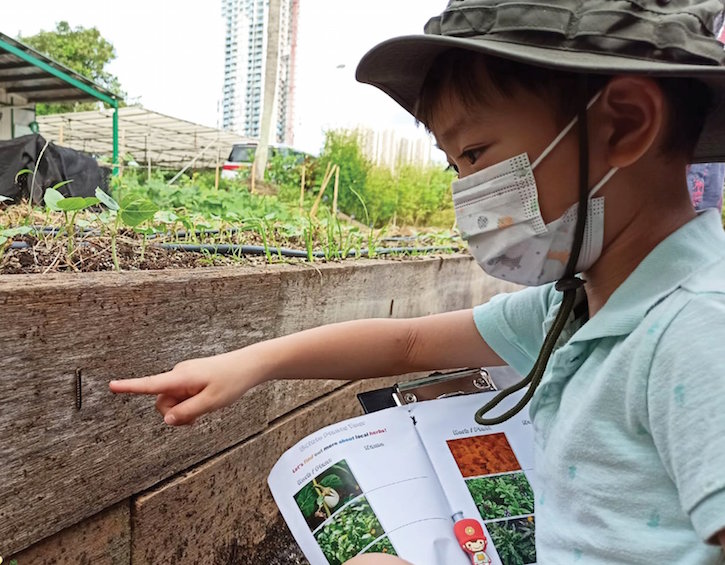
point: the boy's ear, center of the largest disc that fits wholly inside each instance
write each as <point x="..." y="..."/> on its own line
<point x="632" y="111"/>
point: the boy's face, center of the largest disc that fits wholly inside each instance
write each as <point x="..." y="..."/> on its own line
<point x="502" y="126"/>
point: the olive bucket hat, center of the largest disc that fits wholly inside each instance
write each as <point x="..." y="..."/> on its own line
<point x="658" y="38"/>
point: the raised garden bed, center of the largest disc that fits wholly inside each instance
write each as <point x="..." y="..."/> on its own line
<point x="100" y="478"/>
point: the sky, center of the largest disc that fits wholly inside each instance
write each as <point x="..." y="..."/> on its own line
<point x="170" y="56"/>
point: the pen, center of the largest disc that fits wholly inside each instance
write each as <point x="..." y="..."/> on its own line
<point x="470" y="536"/>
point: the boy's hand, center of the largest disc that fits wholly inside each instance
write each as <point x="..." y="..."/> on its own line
<point x="192" y="388"/>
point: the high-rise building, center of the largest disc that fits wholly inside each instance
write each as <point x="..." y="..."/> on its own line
<point x="245" y="53"/>
<point x="392" y="149"/>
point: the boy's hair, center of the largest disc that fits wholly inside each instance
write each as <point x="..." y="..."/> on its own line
<point x="470" y="76"/>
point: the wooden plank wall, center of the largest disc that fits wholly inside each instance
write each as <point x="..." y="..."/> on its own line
<point x="61" y="465"/>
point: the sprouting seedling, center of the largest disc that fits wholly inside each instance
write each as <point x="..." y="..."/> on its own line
<point x="269" y="228"/>
<point x="7" y="235"/>
<point x="31" y="189"/>
<point x="113" y="218"/>
<point x="371" y="234"/>
<point x="70" y="207"/>
<point x="132" y="212"/>
<point x="20" y="173"/>
<point x="309" y="236"/>
<point x="265" y="242"/>
<point x="146" y="229"/>
<point x="332" y="243"/>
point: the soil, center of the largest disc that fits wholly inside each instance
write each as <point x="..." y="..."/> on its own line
<point x="278" y="548"/>
<point x="93" y="253"/>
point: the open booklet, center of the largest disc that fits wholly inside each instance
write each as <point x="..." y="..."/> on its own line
<point x="394" y="481"/>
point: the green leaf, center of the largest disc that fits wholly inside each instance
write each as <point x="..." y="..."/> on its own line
<point x="20" y="230"/>
<point x="3" y="240"/>
<point x="306" y="500"/>
<point x="331" y="481"/>
<point x="53" y="198"/>
<point x="62" y="183"/>
<point x="166" y="217"/>
<point x="76" y="203"/>
<point x="136" y="211"/>
<point x="145" y="231"/>
<point x="106" y="200"/>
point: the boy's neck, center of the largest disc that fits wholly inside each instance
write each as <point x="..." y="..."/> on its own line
<point x="650" y="221"/>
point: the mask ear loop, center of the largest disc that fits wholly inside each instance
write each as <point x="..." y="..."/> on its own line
<point x="568" y="284"/>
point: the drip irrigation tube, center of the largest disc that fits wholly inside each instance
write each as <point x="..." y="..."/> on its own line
<point x="241" y="250"/>
<point x="260" y="250"/>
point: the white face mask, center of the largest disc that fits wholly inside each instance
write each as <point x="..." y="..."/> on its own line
<point x="497" y="211"/>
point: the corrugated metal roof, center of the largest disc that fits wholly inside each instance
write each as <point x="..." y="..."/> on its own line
<point x="37" y="78"/>
<point x="168" y="142"/>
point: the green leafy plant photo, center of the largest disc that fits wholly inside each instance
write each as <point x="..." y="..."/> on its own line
<point x="349" y="532"/>
<point x="502" y="496"/>
<point x="514" y="540"/>
<point x="327" y="493"/>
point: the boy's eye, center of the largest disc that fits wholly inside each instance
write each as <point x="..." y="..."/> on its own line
<point x="472" y="155"/>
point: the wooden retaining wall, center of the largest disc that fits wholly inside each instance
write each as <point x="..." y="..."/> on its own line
<point x="110" y="483"/>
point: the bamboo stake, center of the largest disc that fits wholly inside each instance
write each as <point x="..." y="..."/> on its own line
<point x="302" y="188"/>
<point x="216" y="176"/>
<point x="254" y="171"/>
<point x="336" y="191"/>
<point x="325" y="182"/>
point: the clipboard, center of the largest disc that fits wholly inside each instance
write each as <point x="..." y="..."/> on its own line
<point x="439" y="385"/>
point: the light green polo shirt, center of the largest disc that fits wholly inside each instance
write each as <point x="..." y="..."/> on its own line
<point x="630" y="415"/>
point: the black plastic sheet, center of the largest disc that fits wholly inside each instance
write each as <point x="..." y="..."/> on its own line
<point x="56" y="165"/>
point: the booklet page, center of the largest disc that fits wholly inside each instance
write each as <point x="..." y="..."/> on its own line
<point x="486" y="472"/>
<point x="365" y="485"/>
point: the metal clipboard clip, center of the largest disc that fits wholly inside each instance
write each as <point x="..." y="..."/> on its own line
<point x="438" y="385"/>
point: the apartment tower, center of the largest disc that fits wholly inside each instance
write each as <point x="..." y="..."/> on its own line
<point x="245" y="53"/>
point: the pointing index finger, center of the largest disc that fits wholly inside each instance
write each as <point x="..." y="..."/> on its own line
<point x="154" y="384"/>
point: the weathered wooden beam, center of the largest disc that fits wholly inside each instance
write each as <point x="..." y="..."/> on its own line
<point x="61" y="464"/>
<point x="223" y="507"/>
<point x="103" y="539"/>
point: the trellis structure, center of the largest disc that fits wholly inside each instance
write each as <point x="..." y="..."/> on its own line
<point x="148" y="137"/>
<point x="28" y="77"/>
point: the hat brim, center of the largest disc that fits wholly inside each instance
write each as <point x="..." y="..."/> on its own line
<point x="399" y="66"/>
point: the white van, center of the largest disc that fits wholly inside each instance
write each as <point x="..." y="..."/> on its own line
<point x="241" y="157"/>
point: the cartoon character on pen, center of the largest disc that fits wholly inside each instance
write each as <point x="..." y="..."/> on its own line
<point x="469" y="534"/>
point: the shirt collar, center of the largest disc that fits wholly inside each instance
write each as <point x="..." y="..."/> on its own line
<point x="695" y="246"/>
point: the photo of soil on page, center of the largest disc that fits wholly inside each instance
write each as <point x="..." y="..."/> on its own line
<point x="351" y="531"/>
<point x="514" y="540"/>
<point x="324" y="495"/>
<point x="502" y="496"/>
<point x="483" y="455"/>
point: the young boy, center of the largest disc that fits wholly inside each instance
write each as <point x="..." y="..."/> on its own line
<point x="628" y="417"/>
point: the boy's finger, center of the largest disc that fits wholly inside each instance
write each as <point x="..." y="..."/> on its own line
<point x="155" y="384"/>
<point x="186" y="412"/>
<point x="165" y="402"/>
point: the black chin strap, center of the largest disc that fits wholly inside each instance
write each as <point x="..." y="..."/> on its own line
<point x="568" y="284"/>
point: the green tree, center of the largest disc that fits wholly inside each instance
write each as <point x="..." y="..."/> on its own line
<point x="82" y="50"/>
<point x="342" y="147"/>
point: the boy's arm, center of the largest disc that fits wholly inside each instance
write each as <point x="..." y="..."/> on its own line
<point x="349" y="350"/>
